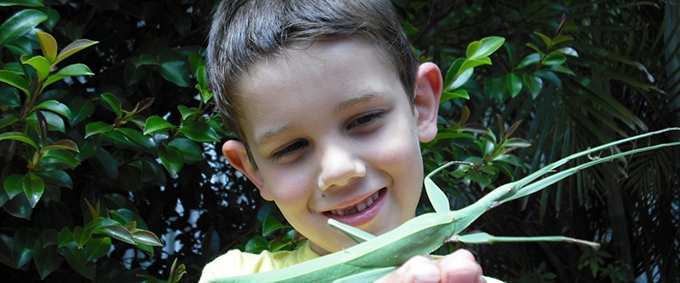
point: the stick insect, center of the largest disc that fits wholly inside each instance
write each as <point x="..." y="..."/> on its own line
<point x="374" y="256"/>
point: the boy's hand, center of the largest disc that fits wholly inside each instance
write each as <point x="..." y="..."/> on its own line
<point x="458" y="267"/>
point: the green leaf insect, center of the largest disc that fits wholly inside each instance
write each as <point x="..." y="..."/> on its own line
<point x="375" y="256"/>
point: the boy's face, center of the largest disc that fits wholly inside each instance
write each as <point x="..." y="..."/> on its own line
<point x="334" y="136"/>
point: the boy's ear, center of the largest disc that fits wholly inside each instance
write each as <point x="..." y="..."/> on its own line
<point x="236" y="154"/>
<point x="428" y="93"/>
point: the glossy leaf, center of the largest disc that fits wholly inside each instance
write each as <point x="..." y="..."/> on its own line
<point x="73" y="48"/>
<point x="554" y="59"/>
<point x="19" y="24"/>
<point x="68" y="71"/>
<point x="531" y="59"/>
<point x="462" y="79"/>
<point x="199" y="131"/>
<point x="62" y="145"/>
<point x="458" y="93"/>
<point x="81" y="109"/>
<point x="19" y="207"/>
<point x="27" y="3"/>
<point x="56" y="107"/>
<point x="8" y="119"/>
<point x="174" y="71"/>
<point x="171" y="158"/>
<point x="271" y="225"/>
<point x="118" y="232"/>
<point x="513" y="83"/>
<point x="48" y="45"/>
<point x="202" y="85"/>
<point x="65" y="237"/>
<point x="77" y="259"/>
<point x="189" y="149"/>
<point x="97" y="247"/>
<point x="156" y="123"/>
<point x="469" y="64"/>
<point x="40" y="64"/>
<point x="23" y="246"/>
<point x="18" y="137"/>
<point x="14" y="80"/>
<point x="97" y="128"/>
<point x="113" y="102"/>
<point x="139" y="140"/>
<point x="56" y="177"/>
<point x="484" y="48"/>
<point x="81" y="236"/>
<point x="9" y="97"/>
<point x="534" y="84"/>
<point x="13" y="185"/>
<point x="34" y="187"/>
<point x="146" y="238"/>
<point x="187" y="113"/>
<point x="65" y="159"/>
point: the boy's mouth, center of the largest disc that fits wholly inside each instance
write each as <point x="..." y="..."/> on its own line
<point x="363" y="205"/>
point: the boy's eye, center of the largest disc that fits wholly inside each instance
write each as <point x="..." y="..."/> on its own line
<point x="366" y="119"/>
<point x="291" y="148"/>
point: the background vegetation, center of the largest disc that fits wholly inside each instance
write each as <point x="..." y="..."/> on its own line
<point x="109" y="142"/>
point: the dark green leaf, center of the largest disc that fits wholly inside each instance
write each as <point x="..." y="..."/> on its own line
<point x="459" y="93"/>
<point x="171" y="158"/>
<point x="189" y="149"/>
<point x="81" y="236"/>
<point x="97" y="128"/>
<point x="56" y="107"/>
<point x="27" y="3"/>
<point x="124" y="215"/>
<point x="9" y="118"/>
<point x="13" y="185"/>
<point x="19" y="207"/>
<point x="114" y="103"/>
<point x="46" y="258"/>
<point x="22" y="246"/>
<point x="105" y="164"/>
<point x="77" y="259"/>
<point x="534" y="84"/>
<point x="257" y="244"/>
<point x="18" y="137"/>
<point x="187" y="113"/>
<point x="68" y="71"/>
<point x="513" y="83"/>
<point x="138" y="139"/>
<point x="60" y="156"/>
<point x="97" y="247"/>
<point x="531" y="59"/>
<point x="14" y="80"/>
<point x="175" y="72"/>
<point x="156" y="123"/>
<point x="81" y="108"/>
<point x="546" y="40"/>
<point x="65" y="238"/>
<point x="271" y="225"/>
<point x="34" y="187"/>
<point x="56" y="177"/>
<point x="19" y="24"/>
<point x="54" y="121"/>
<point x="73" y="48"/>
<point x="9" y="97"/>
<point x="199" y="131"/>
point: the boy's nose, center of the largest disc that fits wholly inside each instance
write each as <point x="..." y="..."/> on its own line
<point x="338" y="167"/>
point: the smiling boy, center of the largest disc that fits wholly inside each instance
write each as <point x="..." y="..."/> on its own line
<point x="329" y="104"/>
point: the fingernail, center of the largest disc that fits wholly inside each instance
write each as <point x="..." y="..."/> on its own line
<point x="427" y="278"/>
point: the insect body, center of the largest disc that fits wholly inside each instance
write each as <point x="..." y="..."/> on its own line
<point x="374" y="256"/>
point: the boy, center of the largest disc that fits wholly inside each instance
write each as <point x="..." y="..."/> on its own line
<point x="329" y="105"/>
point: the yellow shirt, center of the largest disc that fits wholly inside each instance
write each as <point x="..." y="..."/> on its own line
<point x="235" y="262"/>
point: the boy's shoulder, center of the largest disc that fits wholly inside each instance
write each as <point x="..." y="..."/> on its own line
<point x="237" y="263"/>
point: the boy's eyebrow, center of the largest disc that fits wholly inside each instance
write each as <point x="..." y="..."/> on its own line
<point x="265" y="137"/>
<point x="354" y="101"/>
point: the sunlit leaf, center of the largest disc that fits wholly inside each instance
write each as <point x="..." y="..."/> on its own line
<point x="55" y="106"/>
<point x="484" y="48"/>
<point x="458" y="93"/>
<point x="113" y="102"/>
<point x="531" y="59"/>
<point x="14" y="80"/>
<point x="156" y="123"/>
<point x="73" y="48"/>
<point x="18" y="137"/>
<point x="63" y="145"/>
<point x="27" y="3"/>
<point x="40" y="64"/>
<point x="554" y="59"/>
<point x="48" y="45"/>
<point x="513" y="83"/>
<point x="97" y="128"/>
<point x="77" y="69"/>
<point x="146" y="238"/>
<point x="119" y="233"/>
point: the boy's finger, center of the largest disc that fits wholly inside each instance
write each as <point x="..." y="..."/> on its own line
<point x="460" y="267"/>
<point x="418" y="269"/>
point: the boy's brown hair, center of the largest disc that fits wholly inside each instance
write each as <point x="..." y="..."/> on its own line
<point x="245" y="31"/>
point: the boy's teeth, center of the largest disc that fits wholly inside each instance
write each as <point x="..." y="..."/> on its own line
<point x="357" y="208"/>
